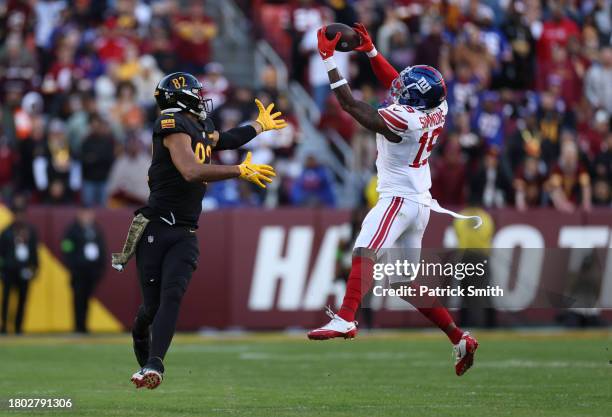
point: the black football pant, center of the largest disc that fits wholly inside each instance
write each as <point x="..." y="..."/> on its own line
<point x="166" y="257"/>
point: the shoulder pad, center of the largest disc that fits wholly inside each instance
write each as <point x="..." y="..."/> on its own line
<point x="169" y="123"/>
<point x="399" y="118"/>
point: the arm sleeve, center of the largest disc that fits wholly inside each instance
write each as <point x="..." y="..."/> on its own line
<point x="235" y="138"/>
<point x="383" y="70"/>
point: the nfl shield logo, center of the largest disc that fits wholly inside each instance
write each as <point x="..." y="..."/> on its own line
<point x="150" y="239"/>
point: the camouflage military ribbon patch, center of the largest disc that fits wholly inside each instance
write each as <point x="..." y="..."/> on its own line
<point x="119" y="260"/>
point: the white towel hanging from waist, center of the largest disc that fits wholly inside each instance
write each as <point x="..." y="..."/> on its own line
<point x="435" y="206"/>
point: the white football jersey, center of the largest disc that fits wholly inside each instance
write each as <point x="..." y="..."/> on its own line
<point x="402" y="167"/>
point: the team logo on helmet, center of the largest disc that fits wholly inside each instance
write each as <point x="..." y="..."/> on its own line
<point x="422" y="85"/>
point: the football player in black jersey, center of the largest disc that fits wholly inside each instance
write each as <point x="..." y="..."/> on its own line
<point x="162" y="234"/>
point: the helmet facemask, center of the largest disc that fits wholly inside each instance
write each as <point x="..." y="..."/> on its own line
<point x="199" y="106"/>
<point x="399" y="92"/>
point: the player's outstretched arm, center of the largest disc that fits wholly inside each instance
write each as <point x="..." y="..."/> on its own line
<point x="383" y="70"/>
<point x="240" y="136"/>
<point x="184" y="159"/>
<point x="365" y="114"/>
<point x="179" y="145"/>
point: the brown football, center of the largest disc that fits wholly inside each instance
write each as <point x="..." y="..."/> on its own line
<point x="349" y="39"/>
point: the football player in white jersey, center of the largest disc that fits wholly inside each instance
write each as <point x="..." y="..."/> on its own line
<point x="406" y="131"/>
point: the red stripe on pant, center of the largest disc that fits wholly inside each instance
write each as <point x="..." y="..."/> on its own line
<point x="387" y="221"/>
<point x="381" y="223"/>
<point x="384" y="238"/>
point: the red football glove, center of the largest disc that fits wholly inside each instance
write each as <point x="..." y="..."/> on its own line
<point x="326" y="46"/>
<point x="366" y="41"/>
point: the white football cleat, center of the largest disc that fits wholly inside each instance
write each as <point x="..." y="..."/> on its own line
<point x="147" y="378"/>
<point x="464" y="353"/>
<point x="337" y="327"/>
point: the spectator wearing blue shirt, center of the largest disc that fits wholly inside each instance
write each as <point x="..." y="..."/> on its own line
<point x="314" y="187"/>
<point x="463" y="88"/>
<point x="231" y="193"/>
<point x="488" y="121"/>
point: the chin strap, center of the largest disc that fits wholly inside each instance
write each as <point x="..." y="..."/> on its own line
<point x="201" y="115"/>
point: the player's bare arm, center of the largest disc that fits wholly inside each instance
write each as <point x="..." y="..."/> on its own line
<point x="184" y="159"/>
<point x="240" y="136"/>
<point x="365" y="114"/>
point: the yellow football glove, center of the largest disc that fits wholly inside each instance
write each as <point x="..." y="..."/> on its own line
<point x="266" y="119"/>
<point x="256" y="173"/>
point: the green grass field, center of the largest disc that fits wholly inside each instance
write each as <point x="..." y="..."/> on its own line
<point x="377" y="375"/>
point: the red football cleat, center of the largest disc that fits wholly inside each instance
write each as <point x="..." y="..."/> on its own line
<point x="464" y="353"/>
<point x="337" y="327"/>
<point x="147" y="378"/>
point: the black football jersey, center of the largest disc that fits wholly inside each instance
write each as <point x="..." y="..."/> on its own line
<point x="172" y="198"/>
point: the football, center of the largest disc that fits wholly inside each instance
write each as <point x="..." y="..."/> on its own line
<point x="349" y="39"/>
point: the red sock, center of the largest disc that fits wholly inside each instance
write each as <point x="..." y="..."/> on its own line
<point x="358" y="283"/>
<point x="442" y="318"/>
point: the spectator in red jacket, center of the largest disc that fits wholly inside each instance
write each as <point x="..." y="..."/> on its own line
<point x="569" y="183"/>
<point x="555" y="32"/>
<point x="528" y="184"/>
<point x="340" y="121"/>
<point x="562" y="74"/>
<point x="193" y="32"/>
<point x="449" y="174"/>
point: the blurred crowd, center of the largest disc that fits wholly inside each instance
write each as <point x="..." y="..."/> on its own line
<point x="77" y="81"/>
<point x="529" y="84"/>
<point x="529" y="89"/>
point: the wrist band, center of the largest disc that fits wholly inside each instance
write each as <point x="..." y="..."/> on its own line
<point x="372" y="53"/>
<point x="338" y="84"/>
<point x="330" y="63"/>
